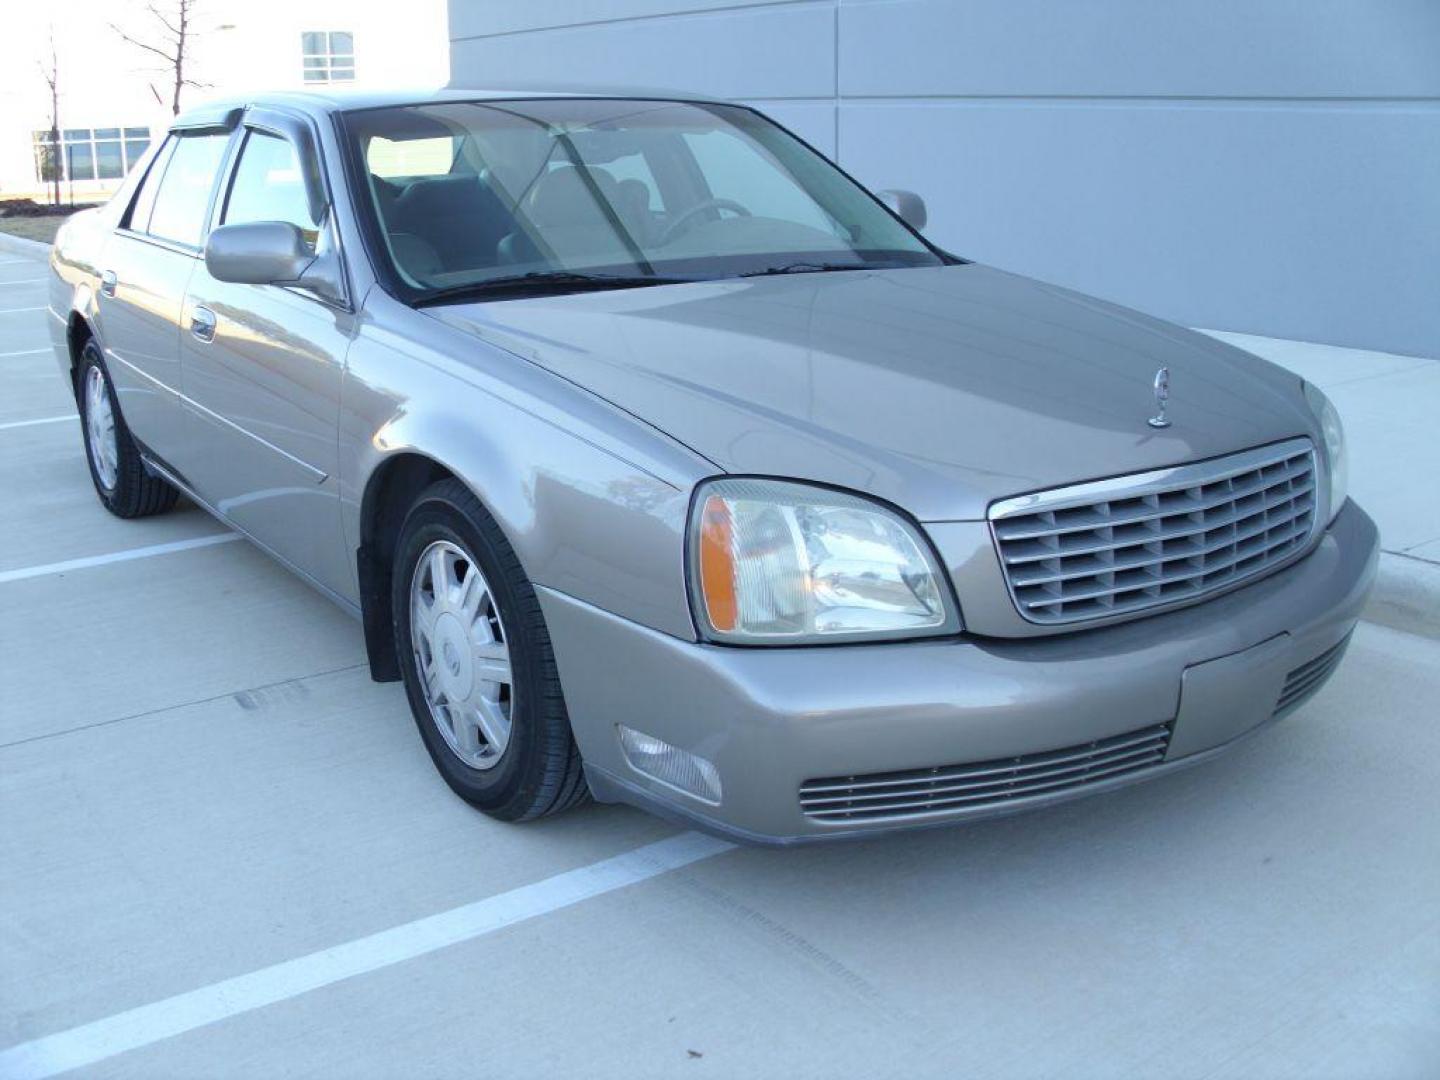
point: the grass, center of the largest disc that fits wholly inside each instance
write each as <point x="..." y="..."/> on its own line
<point x="33" y="221"/>
<point x="41" y="228"/>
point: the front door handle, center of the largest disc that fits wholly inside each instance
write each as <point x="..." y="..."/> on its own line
<point x="108" y="282"/>
<point x="202" y="323"/>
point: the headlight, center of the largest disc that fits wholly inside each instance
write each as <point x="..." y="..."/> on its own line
<point x="781" y="563"/>
<point x="1337" y="462"/>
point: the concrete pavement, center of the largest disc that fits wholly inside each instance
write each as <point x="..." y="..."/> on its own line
<point x="198" y="782"/>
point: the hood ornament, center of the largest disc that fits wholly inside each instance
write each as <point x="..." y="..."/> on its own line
<point x="1162" y="398"/>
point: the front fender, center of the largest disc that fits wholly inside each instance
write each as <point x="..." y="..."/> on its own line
<point x="593" y="503"/>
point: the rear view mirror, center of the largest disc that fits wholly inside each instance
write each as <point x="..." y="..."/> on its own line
<point x="906" y="205"/>
<point x="258" y="253"/>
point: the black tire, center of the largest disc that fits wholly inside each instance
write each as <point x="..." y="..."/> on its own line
<point x="136" y="492"/>
<point x="540" y="771"/>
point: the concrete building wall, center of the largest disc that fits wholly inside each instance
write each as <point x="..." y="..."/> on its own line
<point x="1270" y="166"/>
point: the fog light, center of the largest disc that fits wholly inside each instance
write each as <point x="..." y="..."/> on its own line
<point x="670" y="765"/>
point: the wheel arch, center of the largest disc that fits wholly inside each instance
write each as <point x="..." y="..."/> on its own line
<point x="390" y="491"/>
<point x="77" y="332"/>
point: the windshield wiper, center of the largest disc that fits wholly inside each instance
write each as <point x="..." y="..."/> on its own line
<point x="543" y="281"/>
<point x="811" y="268"/>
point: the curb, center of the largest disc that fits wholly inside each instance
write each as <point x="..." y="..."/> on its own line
<point x="20" y="246"/>
<point x="1406" y="596"/>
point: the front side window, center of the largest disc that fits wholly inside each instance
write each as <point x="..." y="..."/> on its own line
<point x="268" y="186"/>
<point x="184" y="194"/>
<point x="327" y="56"/>
<point x="474" y="192"/>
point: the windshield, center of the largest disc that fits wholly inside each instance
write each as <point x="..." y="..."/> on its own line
<point x="566" y="189"/>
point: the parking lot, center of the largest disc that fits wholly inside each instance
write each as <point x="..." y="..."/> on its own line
<point x="224" y="852"/>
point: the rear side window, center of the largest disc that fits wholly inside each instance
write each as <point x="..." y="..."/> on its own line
<point x="268" y="186"/>
<point x="184" y="195"/>
<point x="139" y="217"/>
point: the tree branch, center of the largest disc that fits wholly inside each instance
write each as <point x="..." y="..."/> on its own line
<point x="163" y="21"/>
<point x="169" y="59"/>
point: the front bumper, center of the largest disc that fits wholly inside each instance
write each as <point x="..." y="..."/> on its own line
<point x="772" y="718"/>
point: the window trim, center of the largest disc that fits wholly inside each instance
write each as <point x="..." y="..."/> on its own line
<point x="327" y="57"/>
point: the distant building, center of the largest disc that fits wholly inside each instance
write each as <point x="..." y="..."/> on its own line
<point x="115" y="97"/>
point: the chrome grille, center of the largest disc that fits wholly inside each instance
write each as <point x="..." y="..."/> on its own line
<point x="984" y="783"/>
<point x="1306" y="679"/>
<point x="1119" y="546"/>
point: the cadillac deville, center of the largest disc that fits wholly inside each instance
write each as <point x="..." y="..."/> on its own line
<point x="665" y="463"/>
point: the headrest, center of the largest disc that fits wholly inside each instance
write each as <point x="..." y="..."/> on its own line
<point x="562" y="198"/>
<point x="445" y="196"/>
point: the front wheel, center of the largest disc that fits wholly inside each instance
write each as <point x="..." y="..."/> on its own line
<point x="477" y="662"/>
<point x="121" y="480"/>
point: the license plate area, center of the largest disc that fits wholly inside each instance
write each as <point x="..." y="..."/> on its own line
<point x="1223" y="698"/>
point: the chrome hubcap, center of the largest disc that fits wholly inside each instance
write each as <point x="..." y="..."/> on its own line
<point x="100" y="429"/>
<point x="461" y="654"/>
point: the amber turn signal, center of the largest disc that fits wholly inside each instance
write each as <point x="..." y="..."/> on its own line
<point x="717" y="564"/>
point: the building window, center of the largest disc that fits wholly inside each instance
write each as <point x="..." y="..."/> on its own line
<point x="89" y="153"/>
<point x="329" y="56"/>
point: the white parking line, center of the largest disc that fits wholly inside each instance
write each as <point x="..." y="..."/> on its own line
<point x="37" y="423"/>
<point x="18" y="310"/>
<point x="136" y="1028"/>
<point x="23" y="281"/>
<point x="25" y="352"/>
<point x="113" y="557"/>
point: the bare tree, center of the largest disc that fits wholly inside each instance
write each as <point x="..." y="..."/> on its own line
<point x="174" y="36"/>
<point x="51" y="162"/>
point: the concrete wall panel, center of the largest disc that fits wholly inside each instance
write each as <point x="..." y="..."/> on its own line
<point x="1140" y="48"/>
<point x="783" y="50"/>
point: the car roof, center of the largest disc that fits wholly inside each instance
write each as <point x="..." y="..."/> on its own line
<point x="332" y="99"/>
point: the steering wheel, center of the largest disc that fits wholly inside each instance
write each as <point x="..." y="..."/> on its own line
<point x="674" y="229"/>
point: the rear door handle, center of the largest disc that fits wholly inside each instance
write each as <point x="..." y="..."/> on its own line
<point x="202" y="323"/>
<point x="108" y="282"/>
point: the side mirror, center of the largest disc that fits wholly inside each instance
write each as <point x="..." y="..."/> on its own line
<point x="275" y="253"/>
<point x="258" y="253"/>
<point x="906" y="205"/>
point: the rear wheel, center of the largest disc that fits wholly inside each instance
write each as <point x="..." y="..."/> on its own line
<point x="477" y="662"/>
<point x="121" y="480"/>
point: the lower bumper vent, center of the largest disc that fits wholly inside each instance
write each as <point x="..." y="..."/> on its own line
<point x="983" y="783"/>
<point x="1306" y="679"/>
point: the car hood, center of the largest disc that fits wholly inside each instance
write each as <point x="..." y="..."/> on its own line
<point x="939" y="389"/>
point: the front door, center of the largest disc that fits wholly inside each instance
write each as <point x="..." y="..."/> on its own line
<point x="262" y="366"/>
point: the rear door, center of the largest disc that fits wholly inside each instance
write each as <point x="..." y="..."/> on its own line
<point x="144" y="272"/>
<point x="262" y="366"/>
